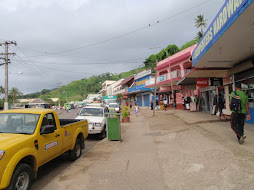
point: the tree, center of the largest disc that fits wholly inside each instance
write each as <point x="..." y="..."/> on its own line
<point x="199" y="36"/>
<point x="119" y="96"/>
<point x="14" y="93"/>
<point x="1" y="90"/>
<point x="200" y="22"/>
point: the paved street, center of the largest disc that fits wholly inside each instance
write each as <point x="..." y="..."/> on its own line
<point x="165" y="152"/>
<point x="52" y="169"/>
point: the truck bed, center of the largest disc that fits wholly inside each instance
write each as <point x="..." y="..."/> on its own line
<point x="64" y="122"/>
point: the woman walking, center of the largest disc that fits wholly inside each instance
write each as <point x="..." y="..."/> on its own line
<point x="136" y="109"/>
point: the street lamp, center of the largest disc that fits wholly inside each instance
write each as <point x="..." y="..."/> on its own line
<point x="170" y="74"/>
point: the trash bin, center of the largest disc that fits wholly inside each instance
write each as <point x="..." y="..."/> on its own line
<point x="113" y="126"/>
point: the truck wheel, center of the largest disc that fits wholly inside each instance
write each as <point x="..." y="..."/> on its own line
<point x="76" y="152"/>
<point x="103" y="134"/>
<point x="21" y="178"/>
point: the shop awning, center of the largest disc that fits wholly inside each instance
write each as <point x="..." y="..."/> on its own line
<point x="229" y="39"/>
<point x="191" y="77"/>
<point x="186" y="81"/>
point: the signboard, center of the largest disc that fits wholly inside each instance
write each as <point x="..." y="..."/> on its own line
<point x="168" y="88"/>
<point x="216" y="81"/>
<point x="227" y="80"/>
<point x="202" y="82"/>
<point x="209" y="88"/>
<point x="179" y="99"/>
<point x="229" y="11"/>
<point x="143" y="74"/>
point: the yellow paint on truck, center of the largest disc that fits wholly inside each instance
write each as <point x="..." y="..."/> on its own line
<point x="35" y="148"/>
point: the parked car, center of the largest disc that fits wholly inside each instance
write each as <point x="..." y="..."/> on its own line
<point x="114" y="106"/>
<point x="95" y="115"/>
<point x="30" y="138"/>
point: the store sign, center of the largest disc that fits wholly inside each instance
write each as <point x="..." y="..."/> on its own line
<point x="202" y="82"/>
<point x="218" y="25"/>
<point x="143" y="74"/>
<point x="168" y="88"/>
<point x="227" y="80"/>
<point x="209" y="88"/>
<point x="216" y="81"/>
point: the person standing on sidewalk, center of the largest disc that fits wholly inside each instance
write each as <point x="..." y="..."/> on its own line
<point x="221" y="105"/>
<point x="136" y="109"/>
<point x="130" y="104"/>
<point x="238" y="118"/>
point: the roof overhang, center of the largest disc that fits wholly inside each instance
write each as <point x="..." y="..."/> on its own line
<point x="207" y="73"/>
<point x="229" y="39"/>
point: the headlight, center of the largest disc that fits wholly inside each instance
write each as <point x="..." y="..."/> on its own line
<point x="1" y="154"/>
<point x="97" y="124"/>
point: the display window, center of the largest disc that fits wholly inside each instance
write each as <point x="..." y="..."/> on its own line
<point x="248" y="88"/>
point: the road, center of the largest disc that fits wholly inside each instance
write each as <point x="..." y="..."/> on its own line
<point x="55" y="167"/>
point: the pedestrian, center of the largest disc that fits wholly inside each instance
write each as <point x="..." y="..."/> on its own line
<point x="67" y="109"/>
<point x="215" y="108"/>
<point x="165" y="102"/>
<point x="136" y="109"/>
<point x="220" y="106"/>
<point x="157" y="104"/>
<point x="239" y="112"/>
<point x="130" y="104"/>
<point x="196" y="101"/>
<point x="151" y="105"/>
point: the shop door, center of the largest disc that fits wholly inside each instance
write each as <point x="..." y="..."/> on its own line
<point x="146" y="100"/>
<point x="211" y="97"/>
<point x="140" y="101"/>
<point x="207" y="101"/>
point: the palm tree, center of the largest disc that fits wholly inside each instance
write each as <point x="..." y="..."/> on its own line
<point x="14" y="93"/>
<point x="1" y="90"/>
<point x="200" y="22"/>
<point x="199" y="35"/>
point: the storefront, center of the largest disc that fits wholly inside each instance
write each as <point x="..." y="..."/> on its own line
<point x="246" y="78"/>
<point x="207" y="95"/>
<point x="139" y="92"/>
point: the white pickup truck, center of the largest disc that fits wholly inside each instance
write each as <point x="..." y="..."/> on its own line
<point x="95" y="115"/>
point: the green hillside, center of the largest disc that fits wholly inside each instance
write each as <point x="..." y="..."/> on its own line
<point x="79" y="89"/>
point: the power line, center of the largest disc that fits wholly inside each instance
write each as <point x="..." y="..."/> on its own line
<point x="125" y="34"/>
<point x="84" y="63"/>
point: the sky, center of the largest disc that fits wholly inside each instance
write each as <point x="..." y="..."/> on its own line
<point x="59" y="41"/>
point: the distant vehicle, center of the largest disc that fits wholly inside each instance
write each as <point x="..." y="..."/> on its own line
<point x="72" y="106"/>
<point x="95" y="115"/>
<point x="109" y="99"/>
<point x="67" y="105"/>
<point x="114" y="106"/>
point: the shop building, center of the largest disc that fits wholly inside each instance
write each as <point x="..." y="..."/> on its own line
<point x="228" y="45"/>
<point x="139" y="93"/>
<point x="170" y="74"/>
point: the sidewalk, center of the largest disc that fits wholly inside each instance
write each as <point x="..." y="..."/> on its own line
<point x="114" y="165"/>
<point x="165" y="152"/>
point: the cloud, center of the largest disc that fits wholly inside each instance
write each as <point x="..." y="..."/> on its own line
<point x="42" y="27"/>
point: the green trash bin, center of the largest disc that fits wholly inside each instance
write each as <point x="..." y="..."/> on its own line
<point x="114" y="126"/>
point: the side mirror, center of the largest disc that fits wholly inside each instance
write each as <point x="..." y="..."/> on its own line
<point x="47" y="129"/>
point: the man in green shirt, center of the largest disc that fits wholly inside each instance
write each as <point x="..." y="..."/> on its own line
<point x="238" y="118"/>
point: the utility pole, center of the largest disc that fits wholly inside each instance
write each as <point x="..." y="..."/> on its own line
<point x="58" y="85"/>
<point x="155" y="88"/>
<point x="6" y="54"/>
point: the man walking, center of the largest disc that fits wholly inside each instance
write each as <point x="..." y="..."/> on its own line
<point x="238" y="117"/>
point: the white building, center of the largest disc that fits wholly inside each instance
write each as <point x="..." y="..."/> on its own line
<point x="112" y="89"/>
<point x="105" y="85"/>
<point x="90" y="97"/>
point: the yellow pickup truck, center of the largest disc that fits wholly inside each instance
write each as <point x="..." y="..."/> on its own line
<point x="31" y="137"/>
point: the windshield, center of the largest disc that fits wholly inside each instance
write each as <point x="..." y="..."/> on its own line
<point x="113" y="106"/>
<point x="18" y="123"/>
<point x="92" y="112"/>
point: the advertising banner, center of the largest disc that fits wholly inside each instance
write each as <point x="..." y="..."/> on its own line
<point x="179" y="99"/>
<point x="202" y="82"/>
